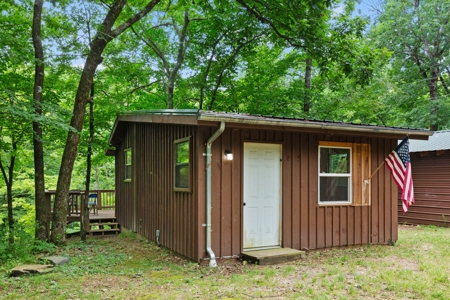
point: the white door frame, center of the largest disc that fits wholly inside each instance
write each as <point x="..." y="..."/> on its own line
<point x="262" y="190"/>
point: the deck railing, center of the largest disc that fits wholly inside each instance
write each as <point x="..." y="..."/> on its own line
<point x="106" y="200"/>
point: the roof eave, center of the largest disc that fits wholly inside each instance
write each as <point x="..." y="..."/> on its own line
<point x="413" y="133"/>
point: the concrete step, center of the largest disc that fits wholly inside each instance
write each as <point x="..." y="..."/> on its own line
<point x="272" y="256"/>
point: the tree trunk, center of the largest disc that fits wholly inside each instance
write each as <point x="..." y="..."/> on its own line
<point x="39" y="179"/>
<point x="85" y="213"/>
<point x="170" y="89"/>
<point x="9" y="199"/>
<point x="307" y="99"/>
<point x="101" y="39"/>
<point x="182" y="46"/>
<point x="8" y="177"/>
<point x="208" y="68"/>
<point x="434" y="107"/>
<point x="73" y="138"/>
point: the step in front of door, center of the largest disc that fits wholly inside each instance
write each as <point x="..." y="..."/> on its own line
<point x="272" y="256"/>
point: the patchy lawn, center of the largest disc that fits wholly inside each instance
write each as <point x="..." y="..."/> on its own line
<point x="129" y="268"/>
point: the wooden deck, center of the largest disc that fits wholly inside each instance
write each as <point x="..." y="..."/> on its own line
<point x="103" y="214"/>
<point x="272" y="256"/>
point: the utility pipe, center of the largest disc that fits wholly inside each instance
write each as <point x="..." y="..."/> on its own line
<point x="212" y="261"/>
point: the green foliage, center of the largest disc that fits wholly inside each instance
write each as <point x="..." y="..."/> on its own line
<point x="418" y="35"/>
<point x="25" y="247"/>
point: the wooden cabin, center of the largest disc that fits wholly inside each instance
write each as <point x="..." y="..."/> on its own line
<point x="430" y="166"/>
<point x="213" y="185"/>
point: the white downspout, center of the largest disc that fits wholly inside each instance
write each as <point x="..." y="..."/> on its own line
<point x="212" y="261"/>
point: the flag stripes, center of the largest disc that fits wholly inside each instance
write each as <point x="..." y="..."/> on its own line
<point x="398" y="162"/>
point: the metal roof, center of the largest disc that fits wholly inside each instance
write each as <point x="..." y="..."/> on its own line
<point x="309" y="123"/>
<point x="440" y="140"/>
<point x="198" y="117"/>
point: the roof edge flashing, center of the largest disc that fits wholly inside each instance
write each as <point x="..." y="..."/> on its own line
<point x="315" y="124"/>
<point x="189" y="112"/>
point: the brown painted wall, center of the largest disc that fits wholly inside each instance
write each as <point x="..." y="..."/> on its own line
<point x="180" y="216"/>
<point x="431" y="178"/>
<point x="158" y="207"/>
<point x="306" y="225"/>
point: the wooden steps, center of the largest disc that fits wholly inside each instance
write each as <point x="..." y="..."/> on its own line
<point x="103" y="227"/>
<point x="272" y="256"/>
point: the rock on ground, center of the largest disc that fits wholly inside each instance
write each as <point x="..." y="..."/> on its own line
<point x="31" y="269"/>
<point x="56" y="260"/>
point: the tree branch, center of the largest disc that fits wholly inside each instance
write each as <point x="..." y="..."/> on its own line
<point x="264" y="20"/>
<point x="121" y="28"/>
<point x="143" y="86"/>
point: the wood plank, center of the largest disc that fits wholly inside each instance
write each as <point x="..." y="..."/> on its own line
<point x="313" y="190"/>
<point x="304" y="192"/>
<point x="350" y="225"/>
<point x="201" y="200"/>
<point x="254" y="135"/>
<point x="324" y="226"/>
<point x="336" y="217"/>
<point x="237" y="193"/>
<point x="343" y="225"/>
<point x="225" y="201"/>
<point x="357" y="174"/>
<point x="327" y="229"/>
<point x="286" y="221"/>
<point x="216" y="220"/>
<point x="366" y="167"/>
<point x="295" y="211"/>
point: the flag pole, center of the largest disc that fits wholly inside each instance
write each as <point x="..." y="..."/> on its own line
<point x="376" y="170"/>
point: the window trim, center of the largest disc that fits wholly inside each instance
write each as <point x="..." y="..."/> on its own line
<point x="361" y="169"/>
<point x="130" y="164"/>
<point x="175" y="164"/>
<point x="349" y="176"/>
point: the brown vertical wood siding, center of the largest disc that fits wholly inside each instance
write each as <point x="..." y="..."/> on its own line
<point x="149" y="203"/>
<point x="305" y="224"/>
<point x="431" y="178"/>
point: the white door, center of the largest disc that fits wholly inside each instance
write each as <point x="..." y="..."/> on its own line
<point x="262" y="195"/>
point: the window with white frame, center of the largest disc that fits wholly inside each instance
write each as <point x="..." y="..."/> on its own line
<point x="127" y="165"/>
<point x="182" y="165"/>
<point x="335" y="176"/>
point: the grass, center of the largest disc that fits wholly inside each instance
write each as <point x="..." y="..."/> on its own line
<point x="126" y="267"/>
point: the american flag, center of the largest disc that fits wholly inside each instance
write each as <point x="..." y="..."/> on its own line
<point x="399" y="164"/>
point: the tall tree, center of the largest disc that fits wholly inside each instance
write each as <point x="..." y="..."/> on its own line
<point x="15" y="88"/>
<point x="418" y="33"/>
<point x="39" y="180"/>
<point x="170" y="67"/>
<point x="105" y="34"/>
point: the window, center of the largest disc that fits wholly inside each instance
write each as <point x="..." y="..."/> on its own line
<point x="344" y="170"/>
<point x="335" y="175"/>
<point x="127" y="165"/>
<point x="182" y="167"/>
